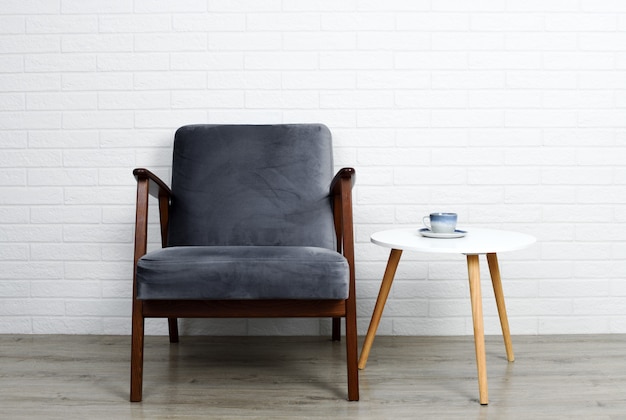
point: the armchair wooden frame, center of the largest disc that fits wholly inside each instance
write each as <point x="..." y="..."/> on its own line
<point x="341" y="193"/>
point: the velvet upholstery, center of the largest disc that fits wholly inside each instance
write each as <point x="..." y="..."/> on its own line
<point x="243" y="272"/>
<point x="252" y="185"/>
<point x="250" y="217"/>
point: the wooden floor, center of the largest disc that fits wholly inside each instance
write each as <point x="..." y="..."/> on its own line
<point x="86" y="377"/>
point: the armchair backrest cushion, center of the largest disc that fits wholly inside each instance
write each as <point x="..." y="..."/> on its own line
<point x="252" y="185"/>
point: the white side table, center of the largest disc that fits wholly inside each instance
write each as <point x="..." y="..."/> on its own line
<point x="476" y="242"/>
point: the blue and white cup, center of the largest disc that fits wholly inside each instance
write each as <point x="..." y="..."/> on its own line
<point x="440" y="222"/>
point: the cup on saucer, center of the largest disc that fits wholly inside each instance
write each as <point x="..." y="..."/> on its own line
<point x="440" y="222"/>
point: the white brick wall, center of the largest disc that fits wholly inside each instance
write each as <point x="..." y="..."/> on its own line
<point x="510" y="112"/>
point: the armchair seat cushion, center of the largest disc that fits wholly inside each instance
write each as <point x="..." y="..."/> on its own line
<point x="242" y="272"/>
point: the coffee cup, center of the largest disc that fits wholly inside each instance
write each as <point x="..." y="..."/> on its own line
<point x="440" y="222"/>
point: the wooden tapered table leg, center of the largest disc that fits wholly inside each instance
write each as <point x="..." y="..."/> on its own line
<point x="494" y="269"/>
<point x="473" y="269"/>
<point x="385" y="286"/>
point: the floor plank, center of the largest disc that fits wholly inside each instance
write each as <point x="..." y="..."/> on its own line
<point x="79" y="377"/>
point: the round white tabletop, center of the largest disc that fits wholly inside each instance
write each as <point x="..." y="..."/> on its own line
<point x="476" y="241"/>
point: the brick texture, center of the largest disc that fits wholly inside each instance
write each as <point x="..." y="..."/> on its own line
<point x="510" y="113"/>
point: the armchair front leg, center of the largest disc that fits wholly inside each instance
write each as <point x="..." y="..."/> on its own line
<point x="147" y="184"/>
<point x="341" y="190"/>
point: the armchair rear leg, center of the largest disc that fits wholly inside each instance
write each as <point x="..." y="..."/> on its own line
<point x="336" y="329"/>
<point x="173" y="329"/>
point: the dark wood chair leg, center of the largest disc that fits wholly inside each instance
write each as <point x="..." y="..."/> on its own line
<point x="136" y="357"/>
<point x="352" y="352"/>
<point x="336" y="329"/>
<point x="173" y="328"/>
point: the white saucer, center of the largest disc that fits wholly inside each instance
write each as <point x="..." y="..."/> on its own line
<point x="429" y="234"/>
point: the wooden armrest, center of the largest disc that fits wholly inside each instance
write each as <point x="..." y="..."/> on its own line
<point x="341" y="192"/>
<point x="157" y="188"/>
<point x="343" y="173"/>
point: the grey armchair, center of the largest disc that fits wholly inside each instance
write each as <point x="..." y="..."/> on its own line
<point x="254" y="225"/>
